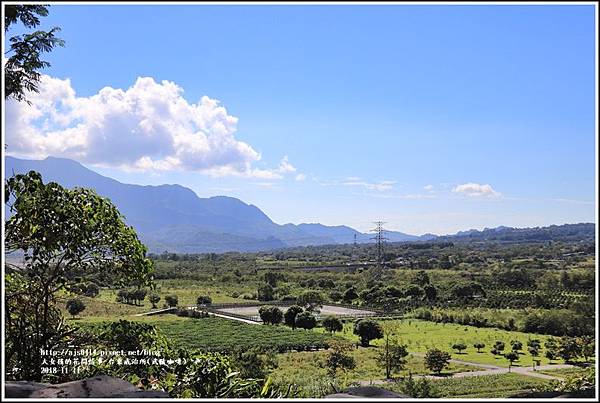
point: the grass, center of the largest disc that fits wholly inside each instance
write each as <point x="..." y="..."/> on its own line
<point x="303" y="367"/>
<point x="487" y="386"/>
<point x="564" y="372"/>
<point x="421" y="335"/>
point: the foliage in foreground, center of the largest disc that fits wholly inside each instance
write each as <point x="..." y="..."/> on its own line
<point x="64" y="236"/>
<point x="183" y="373"/>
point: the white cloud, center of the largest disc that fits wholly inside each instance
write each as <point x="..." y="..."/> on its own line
<point x="476" y="190"/>
<point x="149" y="127"/>
<point x="378" y="186"/>
<point x="428" y="188"/>
<point x="300" y="177"/>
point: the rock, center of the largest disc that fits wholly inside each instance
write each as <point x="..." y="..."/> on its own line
<point x="98" y="386"/>
<point x="18" y="389"/>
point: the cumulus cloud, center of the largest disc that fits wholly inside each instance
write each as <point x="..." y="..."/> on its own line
<point x="429" y="188"/>
<point x="300" y="177"/>
<point x="476" y="190"/>
<point x="149" y="126"/>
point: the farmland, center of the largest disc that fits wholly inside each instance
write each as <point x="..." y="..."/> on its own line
<point x="471" y="303"/>
<point x="202" y="334"/>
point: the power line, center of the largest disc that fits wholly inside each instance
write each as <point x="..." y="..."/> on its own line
<point x="380" y="239"/>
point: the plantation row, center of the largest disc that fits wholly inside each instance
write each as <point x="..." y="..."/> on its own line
<point x="222" y="335"/>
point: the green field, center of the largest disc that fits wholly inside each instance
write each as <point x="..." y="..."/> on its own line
<point x="421" y="335"/>
<point x="306" y="368"/>
<point x="487" y="386"/>
<point x="564" y="372"/>
<point x="217" y="334"/>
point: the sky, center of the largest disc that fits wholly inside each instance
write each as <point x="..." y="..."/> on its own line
<point x="431" y="118"/>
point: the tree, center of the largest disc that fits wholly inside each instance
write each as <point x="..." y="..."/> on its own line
<point x="154" y="298"/>
<point x="270" y="315"/>
<point x="436" y="360"/>
<point x="479" y="345"/>
<point x="421" y="278"/>
<point x="92" y="290"/>
<point x="587" y="347"/>
<point x="535" y="343"/>
<point x="430" y="292"/>
<point x="367" y="330"/>
<point x="203" y="300"/>
<point x="290" y="314"/>
<point x="393" y="355"/>
<point x="335" y="296"/>
<point x="171" y="300"/>
<point x="139" y="295"/>
<point x="568" y="348"/>
<point x="420" y="388"/>
<point x="65" y="236"/>
<point x="459" y="347"/>
<point x="414" y="292"/>
<point x="265" y="293"/>
<point x="254" y="363"/>
<point x="534" y="352"/>
<point x="21" y="69"/>
<point x="272" y="278"/>
<point x="75" y="306"/>
<point x="310" y="300"/>
<point x="338" y="358"/>
<point x="332" y="324"/>
<point x="511" y="357"/>
<point x="306" y="320"/>
<point x="350" y="295"/>
<point x="499" y="345"/>
<point x="516" y="346"/>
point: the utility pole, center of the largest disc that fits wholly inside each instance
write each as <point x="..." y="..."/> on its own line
<point x="380" y="239"/>
<point x="355" y="239"/>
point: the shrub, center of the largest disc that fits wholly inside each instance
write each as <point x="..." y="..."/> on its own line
<point x="332" y="324"/>
<point x="75" y="306"/>
<point x="171" y="300"/>
<point x="479" y="345"/>
<point x="290" y="315"/>
<point x="459" y="347"/>
<point x="270" y="315"/>
<point x="367" y="330"/>
<point x="92" y="290"/>
<point x="203" y="300"/>
<point x="306" y="320"/>
<point x="436" y="360"/>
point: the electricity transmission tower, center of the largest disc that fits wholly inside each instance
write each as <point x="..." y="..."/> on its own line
<point x="380" y="239"/>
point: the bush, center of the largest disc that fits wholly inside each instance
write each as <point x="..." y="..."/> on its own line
<point x="171" y="300"/>
<point x="332" y="324"/>
<point x="203" y="300"/>
<point x="270" y="315"/>
<point x="459" y="347"/>
<point x="154" y="298"/>
<point x="75" y="306"/>
<point x="306" y="320"/>
<point x="367" y="330"/>
<point x="436" y="360"/>
<point x="92" y="290"/>
<point x="290" y="315"/>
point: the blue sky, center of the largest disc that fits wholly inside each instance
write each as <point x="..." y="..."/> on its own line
<point x="431" y="118"/>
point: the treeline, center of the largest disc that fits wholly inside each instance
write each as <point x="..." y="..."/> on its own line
<point x="549" y="322"/>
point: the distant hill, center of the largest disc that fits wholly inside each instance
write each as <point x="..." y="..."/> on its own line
<point x="174" y="218"/>
<point x="565" y="232"/>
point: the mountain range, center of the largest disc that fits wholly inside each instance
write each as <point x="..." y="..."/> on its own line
<point x="174" y="218"/>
